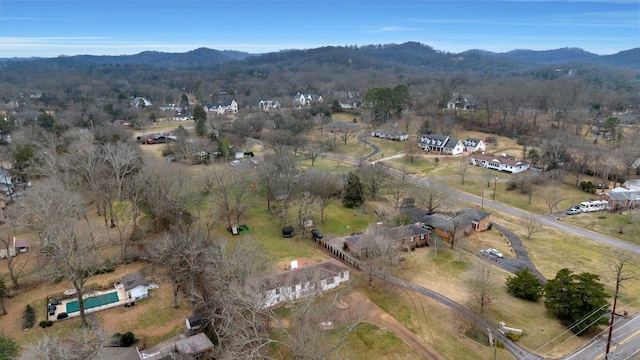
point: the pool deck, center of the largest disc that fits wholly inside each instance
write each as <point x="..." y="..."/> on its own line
<point x="122" y="295"/>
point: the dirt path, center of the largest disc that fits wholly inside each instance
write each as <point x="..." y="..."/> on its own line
<point x="379" y="317"/>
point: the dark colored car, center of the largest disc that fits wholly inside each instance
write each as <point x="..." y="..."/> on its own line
<point x="56" y="302"/>
<point x="62" y="315"/>
<point x="288" y="231"/>
<point x="316" y="234"/>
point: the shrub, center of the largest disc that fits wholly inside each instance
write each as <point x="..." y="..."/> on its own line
<point x="512" y="336"/>
<point x="43" y="324"/>
<point x="499" y="344"/>
<point x="49" y="323"/>
<point x="124" y="340"/>
<point x="29" y="317"/>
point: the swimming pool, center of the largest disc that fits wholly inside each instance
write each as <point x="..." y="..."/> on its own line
<point x="92" y="302"/>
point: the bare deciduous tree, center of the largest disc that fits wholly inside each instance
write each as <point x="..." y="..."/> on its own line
<point x="482" y="284"/>
<point x="435" y="242"/>
<point x="532" y="225"/>
<point x="123" y="159"/>
<point x="462" y="166"/>
<point x="433" y="196"/>
<point x="378" y="253"/>
<point x="374" y="178"/>
<point x="81" y="345"/>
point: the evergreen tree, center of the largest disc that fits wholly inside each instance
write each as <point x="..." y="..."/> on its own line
<point x="353" y="192"/>
<point x="200" y="116"/>
<point x="579" y="301"/>
<point x="524" y="285"/>
<point x="8" y="348"/>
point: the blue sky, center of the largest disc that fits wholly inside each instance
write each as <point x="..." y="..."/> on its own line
<point x="50" y="28"/>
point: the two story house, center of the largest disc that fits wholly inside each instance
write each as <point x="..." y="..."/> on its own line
<point x="472" y="145"/>
<point x="462" y="102"/>
<point x="441" y="144"/>
<point x="222" y="108"/>
<point x="306" y="99"/>
<point x="266" y="105"/>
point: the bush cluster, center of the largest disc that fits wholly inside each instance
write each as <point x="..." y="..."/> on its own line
<point x="124" y="340"/>
<point x="45" y="323"/>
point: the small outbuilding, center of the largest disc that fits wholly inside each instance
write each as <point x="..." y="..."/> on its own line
<point x="136" y="286"/>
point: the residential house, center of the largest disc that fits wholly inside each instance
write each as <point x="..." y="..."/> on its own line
<point x="183" y="116"/>
<point x="196" y="346"/>
<point x="306" y="99"/>
<point x="300" y="282"/>
<point x="222" y="108"/>
<point x="403" y="237"/>
<point x="462" y="102"/>
<point x="170" y="107"/>
<point x="266" y="105"/>
<point x="15" y="246"/>
<point x="122" y="123"/>
<point x="621" y="198"/>
<point x="473" y="145"/>
<point x="463" y="222"/>
<point x="5" y="179"/>
<point x="442" y="144"/>
<point x="390" y="135"/>
<point x="140" y="102"/>
<point x="632" y="184"/>
<point x="135" y="286"/>
<point x="350" y="104"/>
<point x="503" y="162"/>
<point x="120" y="353"/>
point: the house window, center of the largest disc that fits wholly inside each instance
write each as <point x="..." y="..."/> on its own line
<point x="330" y="281"/>
<point x="303" y="286"/>
<point x="342" y="275"/>
<point x="422" y="237"/>
<point x="412" y="239"/>
<point x="293" y="288"/>
<point x="277" y="291"/>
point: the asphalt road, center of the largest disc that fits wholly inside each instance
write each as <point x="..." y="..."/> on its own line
<point x="629" y="347"/>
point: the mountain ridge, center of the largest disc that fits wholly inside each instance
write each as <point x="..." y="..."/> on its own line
<point x="412" y="54"/>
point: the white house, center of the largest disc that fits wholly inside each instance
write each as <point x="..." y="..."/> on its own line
<point x="306" y="99"/>
<point x="298" y="282"/>
<point x="503" y="162"/>
<point x="390" y="134"/>
<point x="442" y="144"/>
<point x="472" y="145"/>
<point x="222" y="108"/>
<point x="140" y="102"/>
<point x="135" y="286"/>
<point x="632" y="184"/>
<point x="266" y="105"/>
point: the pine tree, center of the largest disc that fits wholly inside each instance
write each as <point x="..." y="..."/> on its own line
<point x="353" y="192"/>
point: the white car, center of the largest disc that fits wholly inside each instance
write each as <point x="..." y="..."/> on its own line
<point x="573" y="211"/>
<point x="235" y="163"/>
<point x="493" y="252"/>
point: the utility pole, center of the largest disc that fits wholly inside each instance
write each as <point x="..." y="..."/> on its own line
<point x="495" y="183"/>
<point x="618" y="267"/>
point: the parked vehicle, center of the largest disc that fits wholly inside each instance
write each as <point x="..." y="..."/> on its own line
<point x="573" y="211"/>
<point x="62" y="315"/>
<point x="596" y="205"/>
<point x="316" y="234"/>
<point x="492" y="252"/>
